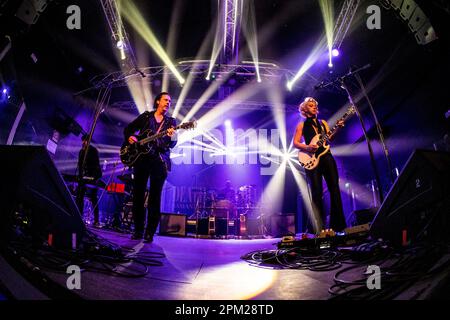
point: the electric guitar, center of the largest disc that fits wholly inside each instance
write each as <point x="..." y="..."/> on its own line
<point x="129" y="153"/>
<point x="310" y="160"/>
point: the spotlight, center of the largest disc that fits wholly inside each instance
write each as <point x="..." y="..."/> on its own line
<point x="120" y="44"/>
<point x="228" y="123"/>
<point x="335" y="52"/>
<point x="330" y="65"/>
<point x="5" y="91"/>
<point x="287" y="156"/>
<point x="289" y="85"/>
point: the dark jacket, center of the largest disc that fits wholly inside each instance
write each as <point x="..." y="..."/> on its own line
<point x="92" y="164"/>
<point x="146" y="121"/>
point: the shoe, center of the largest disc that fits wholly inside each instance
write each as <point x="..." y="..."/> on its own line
<point x="136" y="236"/>
<point x="148" y="238"/>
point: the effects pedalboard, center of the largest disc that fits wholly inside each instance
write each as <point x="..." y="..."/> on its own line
<point x="327" y="239"/>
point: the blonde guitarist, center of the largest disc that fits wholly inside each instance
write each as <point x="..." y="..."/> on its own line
<point x="325" y="168"/>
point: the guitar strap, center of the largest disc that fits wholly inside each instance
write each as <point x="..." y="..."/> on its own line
<point x="318" y="128"/>
<point x="160" y="126"/>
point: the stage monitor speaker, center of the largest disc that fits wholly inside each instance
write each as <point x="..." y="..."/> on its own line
<point x="417" y="207"/>
<point x="172" y="224"/>
<point x="362" y="216"/>
<point x="282" y="225"/>
<point x="34" y="199"/>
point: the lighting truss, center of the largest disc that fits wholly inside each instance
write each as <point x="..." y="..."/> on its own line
<point x="344" y="21"/>
<point x="129" y="105"/>
<point x="232" y="10"/>
<point x="118" y="32"/>
<point x="199" y="68"/>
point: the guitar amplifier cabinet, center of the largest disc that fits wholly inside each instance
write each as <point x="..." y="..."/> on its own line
<point x="172" y="224"/>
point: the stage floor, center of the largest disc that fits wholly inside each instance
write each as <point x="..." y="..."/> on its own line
<point x="202" y="269"/>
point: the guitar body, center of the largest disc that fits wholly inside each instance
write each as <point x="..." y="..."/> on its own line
<point x="130" y="153"/>
<point x="310" y="160"/>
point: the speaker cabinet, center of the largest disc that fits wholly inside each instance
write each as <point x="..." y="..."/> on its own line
<point x="408" y="7"/>
<point x="282" y="225"/>
<point x="29" y="10"/>
<point x="417" y="207"/>
<point x="417" y="20"/>
<point x="35" y="199"/>
<point x="172" y="224"/>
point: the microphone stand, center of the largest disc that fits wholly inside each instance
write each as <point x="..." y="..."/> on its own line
<point x="366" y="136"/>
<point x="378" y="126"/>
<point x="341" y="82"/>
<point x="102" y="100"/>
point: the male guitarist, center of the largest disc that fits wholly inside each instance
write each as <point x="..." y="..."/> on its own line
<point x="154" y="165"/>
<point x="326" y="168"/>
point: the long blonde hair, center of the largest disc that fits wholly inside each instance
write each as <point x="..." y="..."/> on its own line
<point x="302" y="107"/>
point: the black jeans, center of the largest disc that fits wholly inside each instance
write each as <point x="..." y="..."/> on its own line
<point x="154" y="168"/>
<point x="328" y="170"/>
<point x="92" y="196"/>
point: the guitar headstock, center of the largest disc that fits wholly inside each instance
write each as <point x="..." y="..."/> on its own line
<point x="188" y="125"/>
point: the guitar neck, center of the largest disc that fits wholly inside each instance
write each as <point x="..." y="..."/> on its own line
<point x="156" y="136"/>
<point x="334" y="129"/>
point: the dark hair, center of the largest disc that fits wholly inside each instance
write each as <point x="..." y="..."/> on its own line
<point x="158" y="97"/>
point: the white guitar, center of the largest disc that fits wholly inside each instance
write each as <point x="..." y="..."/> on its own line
<point x="310" y="160"/>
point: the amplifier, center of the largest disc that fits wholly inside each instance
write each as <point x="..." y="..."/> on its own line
<point x="172" y="224"/>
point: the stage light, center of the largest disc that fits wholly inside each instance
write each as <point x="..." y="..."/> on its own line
<point x="120" y="44"/>
<point x="335" y="52"/>
<point x="137" y="21"/>
<point x="314" y="55"/>
<point x="327" y="10"/>
<point x="289" y="85"/>
<point x="228" y="123"/>
<point x="5" y="91"/>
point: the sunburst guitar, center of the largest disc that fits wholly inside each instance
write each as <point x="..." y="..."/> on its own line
<point x="310" y="160"/>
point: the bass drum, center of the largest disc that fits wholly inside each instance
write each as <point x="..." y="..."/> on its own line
<point x="224" y="209"/>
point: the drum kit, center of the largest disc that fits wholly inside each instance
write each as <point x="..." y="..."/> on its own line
<point x="210" y="202"/>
